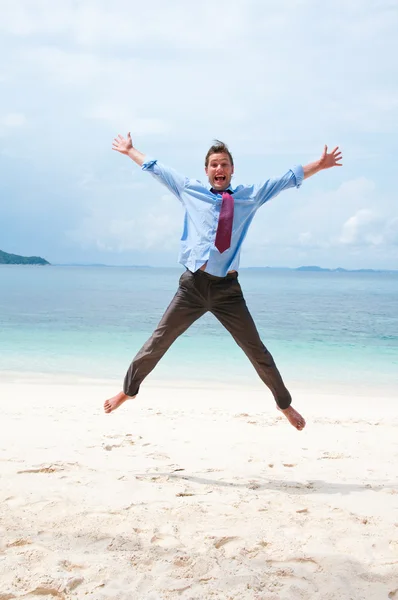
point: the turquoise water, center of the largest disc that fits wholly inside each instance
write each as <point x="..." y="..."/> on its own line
<point x="90" y="321"/>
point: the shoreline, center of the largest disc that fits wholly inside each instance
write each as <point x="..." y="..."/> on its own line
<point x="240" y="384"/>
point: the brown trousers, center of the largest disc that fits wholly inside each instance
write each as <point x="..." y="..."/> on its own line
<point x="198" y="293"/>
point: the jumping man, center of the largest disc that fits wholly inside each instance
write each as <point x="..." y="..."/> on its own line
<point x="217" y="218"/>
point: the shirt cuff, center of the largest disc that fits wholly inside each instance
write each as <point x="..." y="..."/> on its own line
<point x="148" y="164"/>
<point x="298" y="173"/>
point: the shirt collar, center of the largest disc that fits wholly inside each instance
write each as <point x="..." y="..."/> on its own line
<point x="231" y="189"/>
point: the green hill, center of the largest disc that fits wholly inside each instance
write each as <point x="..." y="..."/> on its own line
<point x="15" y="259"/>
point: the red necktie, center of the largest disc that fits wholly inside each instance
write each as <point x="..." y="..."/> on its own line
<point x="224" y="228"/>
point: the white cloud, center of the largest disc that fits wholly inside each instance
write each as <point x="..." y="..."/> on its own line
<point x="323" y="227"/>
<point x="367" y="228"/>
<point x="13" y="120"/>
<point x="362" y="228"/>
<point x="68" y="68"/>
<point x="119" y="113"/>
<point x="305" y="238"/>
<point x="124" y="55"/>
<point x="127" y="22"/>
<point x="391" y="232"/>
<point x="278" y="80"/>
<point x="101" y="186"/>
<point x="8" y="124"/>
<point x="129" y="224"/>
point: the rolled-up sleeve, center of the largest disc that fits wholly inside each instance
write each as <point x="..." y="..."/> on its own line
<point x="298" y="172"/>
<point x="272" y="187"/>
<point x="173" y="180"/>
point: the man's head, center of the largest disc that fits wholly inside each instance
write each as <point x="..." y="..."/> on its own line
<point x="219" y="166"/>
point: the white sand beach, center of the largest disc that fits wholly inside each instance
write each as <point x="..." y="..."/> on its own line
<point x="195" y="493"/>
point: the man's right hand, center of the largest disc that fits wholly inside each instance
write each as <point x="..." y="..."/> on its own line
<point x="125" y="146"/>
<point x="122" y="145"/>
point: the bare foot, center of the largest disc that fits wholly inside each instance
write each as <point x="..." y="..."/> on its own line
<point x="114" y="403"/>
<point x="293" y="417"/>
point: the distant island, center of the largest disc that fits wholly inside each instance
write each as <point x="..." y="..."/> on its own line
<point x="15" y="259"/>
<point x="338" y="270"/>
<point x="316" y="269"/>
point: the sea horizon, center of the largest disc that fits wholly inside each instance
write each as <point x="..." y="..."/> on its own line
<point x="314" y="268"/>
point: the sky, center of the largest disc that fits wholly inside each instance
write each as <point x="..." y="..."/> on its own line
<point x="274" y="79"/>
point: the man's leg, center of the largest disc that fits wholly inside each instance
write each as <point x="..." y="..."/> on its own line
<point x="231" y="310"/>
<point x="185" y="308"/>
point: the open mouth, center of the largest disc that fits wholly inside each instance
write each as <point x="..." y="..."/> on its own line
<point x="220" y="179"/>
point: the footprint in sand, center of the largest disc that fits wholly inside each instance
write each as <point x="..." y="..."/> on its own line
<point x="182" y="560"/>
<point x="254" y="485"/>
<point x="294" y="567"/>
<point x="333" y="456"/>
<point x="68" y="566"/>
<point x="394" y="545"/>
<point x="363" y="520"/>
<point x="224" y="540"/>
<point x="126" y="441"/>
<point x="72" y="584"/>
<point x="49" y="469"/>
<point x="164" y="540"/>
<point x="19" y="542"/>
<point x="229" y="545"/>
<point x="158" y="456"/>
<point x="52" y="468"/>
<point x="160" y="478"/>
<point x="47" y="591"/>
<point x="125" y="544"/>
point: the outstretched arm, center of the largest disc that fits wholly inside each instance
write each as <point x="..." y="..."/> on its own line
<point x="168" y="177"/>
<point x="125" y="146"/>
<point x="333" y="159"/>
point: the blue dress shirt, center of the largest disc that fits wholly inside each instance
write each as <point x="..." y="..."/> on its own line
<point x="202" y="209"/>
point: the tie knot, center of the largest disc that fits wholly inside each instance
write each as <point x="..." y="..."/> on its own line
<point x="228" y="191"/>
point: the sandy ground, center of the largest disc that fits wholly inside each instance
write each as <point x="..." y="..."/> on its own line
<point x="196" y="493"/>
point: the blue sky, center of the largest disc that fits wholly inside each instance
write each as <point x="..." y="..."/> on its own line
<point x="275" y="79"/>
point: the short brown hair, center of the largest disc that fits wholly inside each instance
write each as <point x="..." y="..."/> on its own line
<point x="218" y="148"/>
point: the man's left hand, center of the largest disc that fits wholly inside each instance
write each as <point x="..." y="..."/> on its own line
<point x="331" y="159"/>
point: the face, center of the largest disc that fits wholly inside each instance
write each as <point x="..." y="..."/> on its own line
<point x="219" y="171"/>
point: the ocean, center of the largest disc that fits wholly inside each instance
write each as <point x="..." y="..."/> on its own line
<point x="321" y="327"/>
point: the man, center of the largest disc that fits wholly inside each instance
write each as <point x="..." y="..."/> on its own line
<point x="217" y="218"/>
